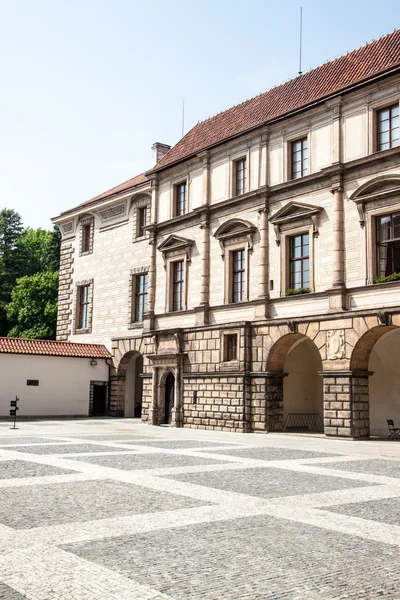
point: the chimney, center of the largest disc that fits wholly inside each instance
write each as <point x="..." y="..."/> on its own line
<point x="159" y="150"/>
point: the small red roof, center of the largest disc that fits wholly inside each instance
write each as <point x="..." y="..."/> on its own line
<point x="332" y="78"/>
<point x="131" y="183"/>
<point x="52" y="348"/>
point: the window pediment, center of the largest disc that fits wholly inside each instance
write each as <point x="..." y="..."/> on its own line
<point x="295" y="212"/>
<point x="378" y="188"/>
<point x="175" y="245"/>
<point x="235" y="230"/>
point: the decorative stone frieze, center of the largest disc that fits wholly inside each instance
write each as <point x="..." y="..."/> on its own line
<point x="113" y="212"/>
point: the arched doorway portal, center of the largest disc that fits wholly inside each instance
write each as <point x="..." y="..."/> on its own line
<point x="377" y="353"/>
<point x="169" y="398"/>
<point x="129" y="376"/>
<point x="294" y="399"/>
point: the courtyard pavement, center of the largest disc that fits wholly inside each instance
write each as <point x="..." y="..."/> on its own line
<point x="113" y="509"/>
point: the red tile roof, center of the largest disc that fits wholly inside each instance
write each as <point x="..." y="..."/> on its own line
<point x="52" y="348"/>
<point x="332" y="78"/>
<point x="131" y="183"/>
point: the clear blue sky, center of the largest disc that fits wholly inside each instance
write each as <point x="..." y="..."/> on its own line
<point x="88" y="85"/>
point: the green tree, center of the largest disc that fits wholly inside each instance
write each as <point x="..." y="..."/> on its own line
<point x="33" y="306"/>
<point x="11" y="260"/>
<point x="40" y="250"/>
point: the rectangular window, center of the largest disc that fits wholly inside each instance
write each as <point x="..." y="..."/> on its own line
<point x="86" y="231"/>
<point x="388" y="129"/>
<point x="240" y="176"/>
<point x="177" y="285"/>
<point x="238" y="276"/>
<point x="180" y="199"/>
<point x="231" y="346"/>
<point x="299" y="261"/>
<point x="141" y="221"/>
<point x="388" y="244"/>
<point x="141" y="283"/>
<point x="299" y="157"/>
<point x="83" y="306"/>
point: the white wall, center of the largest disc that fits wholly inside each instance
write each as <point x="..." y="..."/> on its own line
<point x="64" y="384"/>
<point x="384" y="384"/>
<point x="303" y="387"/>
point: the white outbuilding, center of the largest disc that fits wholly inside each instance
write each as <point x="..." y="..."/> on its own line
<point x="53" y="378"/>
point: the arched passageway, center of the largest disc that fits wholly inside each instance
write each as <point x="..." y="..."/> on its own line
<point x="294" y="397"/>
<point x="129" y="376"/>
<point x="378" y="354"/>
<point x="303" y="387"/>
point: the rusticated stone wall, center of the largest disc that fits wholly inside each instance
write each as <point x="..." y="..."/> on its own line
<point x="65" y="292"/>
<point x="214" y="403"/>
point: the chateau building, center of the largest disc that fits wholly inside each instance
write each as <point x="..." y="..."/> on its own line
<point x="250" y="280"/>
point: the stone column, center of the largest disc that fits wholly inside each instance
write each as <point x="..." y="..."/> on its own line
<point x="202" y="315"/>
<point x="149" y="321"/>
<point x="338" y="238"/>
<point x="205" y="263"/>
<point x="153" y="409"/>
<point x="274" y="401"/>
<point x="263" y="277"/>
<point x="177" y="417"/>
<point x="346" y="403"/>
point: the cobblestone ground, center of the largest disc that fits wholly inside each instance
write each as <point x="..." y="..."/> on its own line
<point x="117" y="510"/>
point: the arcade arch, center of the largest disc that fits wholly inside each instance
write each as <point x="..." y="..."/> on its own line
<point x="377" y="353"/>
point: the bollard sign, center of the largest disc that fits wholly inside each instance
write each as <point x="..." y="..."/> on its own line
<point x="13" y="410"/>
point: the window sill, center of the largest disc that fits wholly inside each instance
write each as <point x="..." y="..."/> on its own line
<point x="86" y="253"/>
<point x="135" y="325"/>
<point x="229" y="365"/>
<point x="82" y="331"/>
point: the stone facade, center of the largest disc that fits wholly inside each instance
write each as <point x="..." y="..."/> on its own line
<point x="258" y="361"/>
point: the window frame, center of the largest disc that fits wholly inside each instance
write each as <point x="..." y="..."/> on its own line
<point x="225" y="363"/>
<point x="302" y="139"/>
<point x="86" y="236"/>
<point x="141" y="220"/>
<point x="285" y="256"/>
<point x="237" y="268"/>
<point x="176" y="201"/>
<point x="172" y="283"/>
<point x="81" y="326"/>
<point x="301" y="259"/>
<point x="229" y="273"/>
<point x="137" y="295"/>
<point x="377" y="111"/>
<point x="231" y="349"/>
<point x="244" y="189"/>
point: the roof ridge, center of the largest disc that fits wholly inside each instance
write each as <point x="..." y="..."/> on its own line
<point x="117" y="186"/>
<point x="278" y="85"/>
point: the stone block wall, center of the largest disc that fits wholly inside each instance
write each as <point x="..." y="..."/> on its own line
<point x="337" y="405"/>
<point x="214" y="403"/>
<point x="257" y="404"/>
<point x="360" y="406"/>
<point x="346" y="405"/>
<point x="147" y="397"/>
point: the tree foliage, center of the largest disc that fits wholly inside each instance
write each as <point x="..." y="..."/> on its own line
<point x="33" y="306"/>
<point x="29" y="262"/>
<point x="11" y="260"/>
<point x="40" y="250"/>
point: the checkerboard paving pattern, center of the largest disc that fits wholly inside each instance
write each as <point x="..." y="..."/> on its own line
<point x="118" y="510"/>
